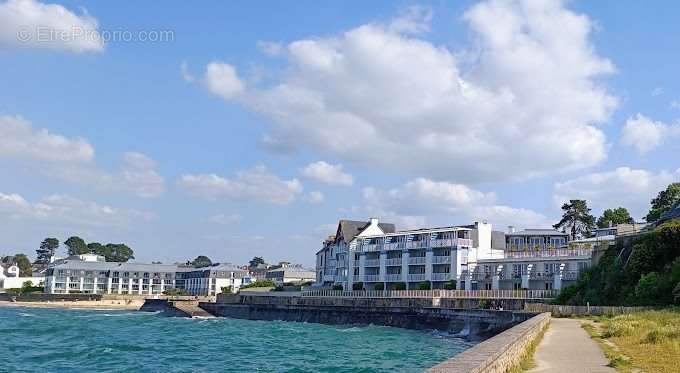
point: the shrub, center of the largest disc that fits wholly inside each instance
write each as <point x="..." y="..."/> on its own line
<point x="227" y="289"/>
<point x="260" y="284"/>
<point x="379" y="286"/>
<point x="337" y="287"/>
<point x="450" y="285"/>
<point x="484" y="304"/>
<point x="358" y="286"/>
<point x="647" y="289"/>
<point x="278" y="288"/>
<point x="424" y="286"/>
<point x="400" y="286"/>
<point x="175" y="292"/>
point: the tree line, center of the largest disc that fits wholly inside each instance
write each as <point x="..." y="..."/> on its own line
<point x="578" y="222"/>
<point x="112" y="252"/>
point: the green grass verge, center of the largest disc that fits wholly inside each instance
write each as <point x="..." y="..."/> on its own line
<point x="527" y="360"/>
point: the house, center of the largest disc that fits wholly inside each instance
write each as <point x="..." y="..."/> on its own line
<point x="288" y="274"/>
<point x="10" y="277"/>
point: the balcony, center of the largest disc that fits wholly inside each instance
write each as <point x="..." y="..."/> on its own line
<point x="371" y="247"/>
<point x="417" y="260"/>
<point x="441" y="259"/>
<point x="356" y="278"/>
<point x="464" y="242"/>
<point x="416" y="245"/>
<point x="372" y="263"/>
<point x="448" y="242"/>
<point x="394" y="277"/>
<point x="371" y="278"/>
<point x="394" y="246"/>
<point x="417" y="277"/>
<point x="393" y="262"/>
<point x="441" y="276"/>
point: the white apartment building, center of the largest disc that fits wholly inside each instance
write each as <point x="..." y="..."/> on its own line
<point x="209" y="281"/>
<point x="474" y="256"/>
<point x="372" y="252"/>
<point x="291" y="274"/>
<point x="90" y="274"/>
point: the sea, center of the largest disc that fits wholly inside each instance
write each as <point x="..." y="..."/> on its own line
<point x="83" y="340"/>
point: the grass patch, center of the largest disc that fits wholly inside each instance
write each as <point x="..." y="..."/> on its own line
<point x="647" y="341"/>
<point x="527" y="361"/>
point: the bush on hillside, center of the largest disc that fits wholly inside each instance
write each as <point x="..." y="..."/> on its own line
<point x="260" y="284"/>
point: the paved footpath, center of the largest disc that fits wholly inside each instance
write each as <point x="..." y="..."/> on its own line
<point x="567" y="348"/>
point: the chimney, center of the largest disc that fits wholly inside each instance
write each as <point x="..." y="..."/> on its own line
<point x="610" y="224"/>
<point x="511" y="229"/>
<point x="373" y="221"/>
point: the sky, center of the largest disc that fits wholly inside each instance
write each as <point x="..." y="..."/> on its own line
<point x="238" y="129"/>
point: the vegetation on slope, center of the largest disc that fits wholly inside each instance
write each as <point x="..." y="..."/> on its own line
<point x="646" y="341"/>
<point x="644" y="272"/>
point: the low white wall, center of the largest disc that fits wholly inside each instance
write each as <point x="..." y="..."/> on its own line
<point x="17" y="282"/>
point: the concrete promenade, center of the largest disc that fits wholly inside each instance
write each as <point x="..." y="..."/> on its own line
<point x="567" y="348"/>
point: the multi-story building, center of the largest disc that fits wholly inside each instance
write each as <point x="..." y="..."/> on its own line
<point x="92" y="275"/>
<point x="534" y="239"/>
<point x="211" y="280"/>
<point x="374" y="253"/>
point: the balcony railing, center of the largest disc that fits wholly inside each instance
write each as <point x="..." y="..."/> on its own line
<point x="393" y="277"/>
<point x="329" y="278"/>
<point x="393" y="262"/>
<point x="549" y="253"/>
<point x="441" y="276"/>
<point x="451" y="294"/>
<point x="372" y="262"/>
<point x="356" y="278"/>
<point x="441" y="259"/>
<point x="417" y="260"/>
<point x="372" y="278"/>
<point x="417" y="277"/>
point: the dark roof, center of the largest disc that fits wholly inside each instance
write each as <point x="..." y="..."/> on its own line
<point x="673" y="213"/>
<point x="352" y="228"/>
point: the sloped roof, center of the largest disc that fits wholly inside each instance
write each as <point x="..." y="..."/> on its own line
<point x="352" y="228"/>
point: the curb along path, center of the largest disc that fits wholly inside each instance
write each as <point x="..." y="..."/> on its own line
<point x="567" y="348"/>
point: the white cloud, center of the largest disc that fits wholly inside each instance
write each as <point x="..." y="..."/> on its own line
<point x="68" y="211"/>
<point x="624" y="186"/>
<point x="327" y="173"/>
<point x="314" y="197"/>
<point x="645" y="134"/>
<point x="523" y="99"/>
<point x="222" y="80"/>
<point x="224" y="219"/>
<point x="418" y="202"/>
<point x="32" y="24"/>
<point x="256" y="184"/>
<point x="72" y="160"/>
<point x="18" y="140"/>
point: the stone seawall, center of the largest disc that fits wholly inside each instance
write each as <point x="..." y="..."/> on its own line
<point x="497" y="354"/>
<point x="403" y="313"/>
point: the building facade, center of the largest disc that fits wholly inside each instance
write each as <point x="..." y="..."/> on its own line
<point x="290" y="274"/>
<point x="90" y="274"/>
<point x="473" y="256"/>
<point x="371" y="253"/>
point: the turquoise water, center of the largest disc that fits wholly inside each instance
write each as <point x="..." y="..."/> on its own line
<point x="59" y="340"/>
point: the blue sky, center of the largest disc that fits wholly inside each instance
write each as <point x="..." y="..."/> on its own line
<point x="258" y="125"/>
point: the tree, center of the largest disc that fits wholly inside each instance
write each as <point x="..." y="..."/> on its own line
<point x="201" y="261"/>
<point x="112" y="252"/>
<point x="663" y="202"/>
<point x="255" y="261"/>
<point x="25" y="269"/>
<point x="619" y="215"/>
<point x="76" y="246"/>
<point x="576" y="219"/>
<point x="47" y="248"/>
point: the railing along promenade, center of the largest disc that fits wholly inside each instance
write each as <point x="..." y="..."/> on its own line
<point x="454" y="294"/>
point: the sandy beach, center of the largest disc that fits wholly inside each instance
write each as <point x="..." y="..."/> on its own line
<point x="103" y="304"/>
